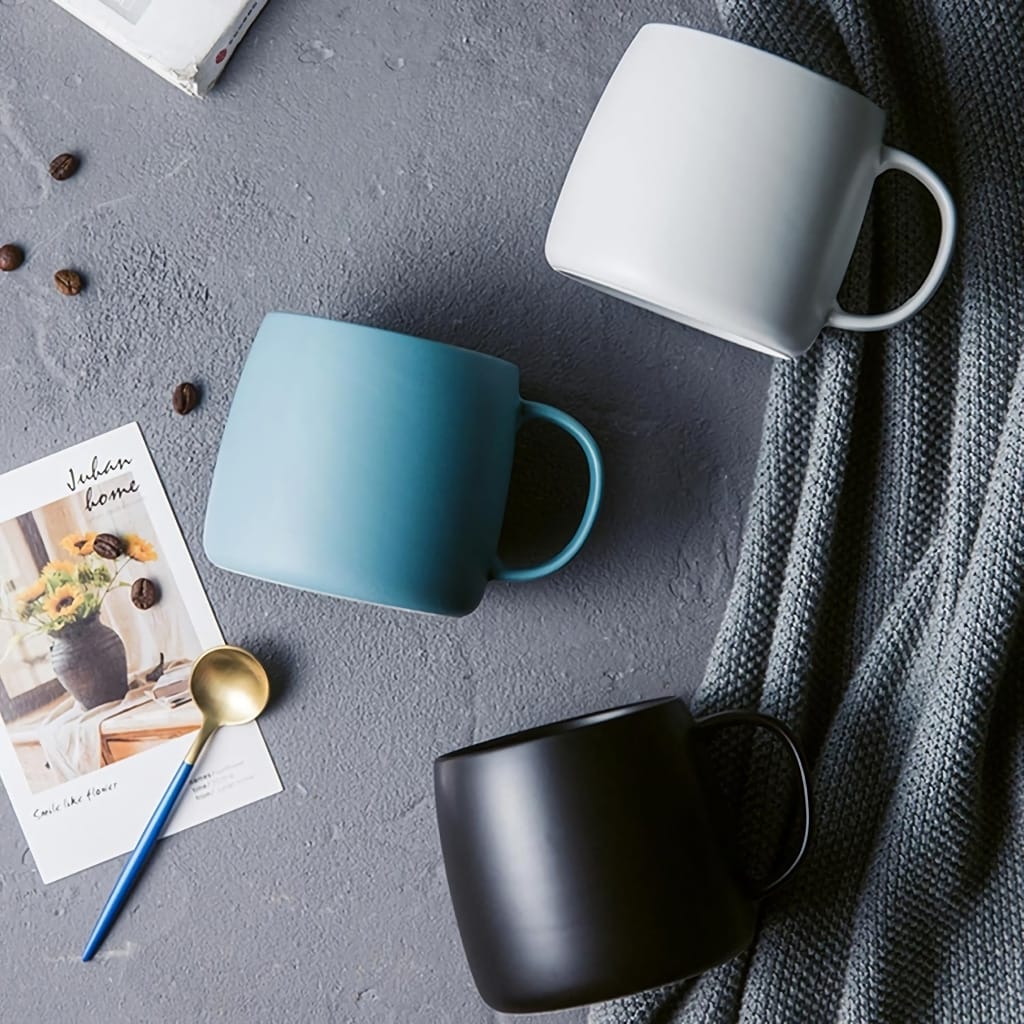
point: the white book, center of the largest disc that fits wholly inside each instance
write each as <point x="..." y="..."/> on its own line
<point x="188" y="42"/>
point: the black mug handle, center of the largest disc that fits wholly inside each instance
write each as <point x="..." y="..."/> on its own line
<point x="721" y="718"/>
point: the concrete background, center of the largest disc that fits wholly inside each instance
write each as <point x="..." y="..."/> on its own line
<point x="393" y="164"/>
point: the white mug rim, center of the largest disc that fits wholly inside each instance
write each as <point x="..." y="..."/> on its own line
<point x="767" y="55"/>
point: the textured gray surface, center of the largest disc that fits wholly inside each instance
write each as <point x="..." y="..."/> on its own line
<point x="396" y="165"/>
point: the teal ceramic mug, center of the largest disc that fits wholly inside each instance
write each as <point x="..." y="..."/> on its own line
<point x="375" y="466"/>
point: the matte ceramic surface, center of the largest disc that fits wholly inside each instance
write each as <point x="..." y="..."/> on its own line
<point x="390" y="459"/>
<point x="724" y="187"/>
<point x="586" y="859"/>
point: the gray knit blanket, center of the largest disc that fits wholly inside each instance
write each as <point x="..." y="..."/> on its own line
<point x="877" y="598"/>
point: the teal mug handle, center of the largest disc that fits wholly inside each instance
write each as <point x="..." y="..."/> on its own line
<point x="538" y="411"/>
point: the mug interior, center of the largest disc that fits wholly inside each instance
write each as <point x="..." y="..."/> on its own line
<point x="564" y="725"/>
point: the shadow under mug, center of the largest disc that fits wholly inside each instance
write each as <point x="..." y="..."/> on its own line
<point x="585" y="860"/>
<point x="371" y="465"/>
<point x="724" y="187"/>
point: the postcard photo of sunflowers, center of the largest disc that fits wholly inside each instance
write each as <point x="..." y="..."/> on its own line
<point x="95" y="638"/>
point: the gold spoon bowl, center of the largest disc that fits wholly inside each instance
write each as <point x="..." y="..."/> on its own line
<point x="230" y="687"/>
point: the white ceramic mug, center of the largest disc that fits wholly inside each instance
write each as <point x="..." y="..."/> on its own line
<point x="724" y="187"/>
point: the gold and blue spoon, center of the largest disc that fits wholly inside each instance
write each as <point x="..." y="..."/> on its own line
<point x="230" y="687"/>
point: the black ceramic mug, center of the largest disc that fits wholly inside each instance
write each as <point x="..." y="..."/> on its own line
<point x="583" y="858"/>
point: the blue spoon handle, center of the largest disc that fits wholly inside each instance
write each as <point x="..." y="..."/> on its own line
<point x="137" y="861"/>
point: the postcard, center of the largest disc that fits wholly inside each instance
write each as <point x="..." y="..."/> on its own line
<point x="101" y="615"/>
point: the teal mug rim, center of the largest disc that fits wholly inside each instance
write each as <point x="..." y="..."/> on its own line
<point x="403" y="336"/>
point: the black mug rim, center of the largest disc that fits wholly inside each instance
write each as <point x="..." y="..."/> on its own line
<point x="538" y="733"/>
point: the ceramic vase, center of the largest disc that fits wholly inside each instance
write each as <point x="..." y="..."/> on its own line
<point x="89" y="661"/>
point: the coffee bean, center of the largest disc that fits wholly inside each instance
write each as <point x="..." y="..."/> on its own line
<point x="185" y="398"/>
<point x="144" y="594"/>
<point x="106" y="545"/>
<point x="64" y="166"/>
<point x="68" y="282"/>
<point x="11" y="257"/>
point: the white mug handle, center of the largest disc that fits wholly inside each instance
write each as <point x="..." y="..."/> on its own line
<point x="896" y="159"/>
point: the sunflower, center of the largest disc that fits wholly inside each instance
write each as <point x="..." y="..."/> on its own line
<point x="78" y="543"/>
<point x="33" y="592"/>
<point x="139" y="549"/>
<point x="62" y="567"/>
<point x="64" y="601"/>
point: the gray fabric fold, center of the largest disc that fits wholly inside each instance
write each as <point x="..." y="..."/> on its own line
<point x="876" y="601"/>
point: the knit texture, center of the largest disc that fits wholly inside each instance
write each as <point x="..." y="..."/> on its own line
<point x="877" y="596"/>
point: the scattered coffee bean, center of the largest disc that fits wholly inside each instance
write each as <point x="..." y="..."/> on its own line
<point x="144" y="594"/>
<point x="68" y="282"/>
<point x="11" y="257"/>
<point x="64" y="166"/>
<point x="106" y="545"/>
<point x="185" y="398"/>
